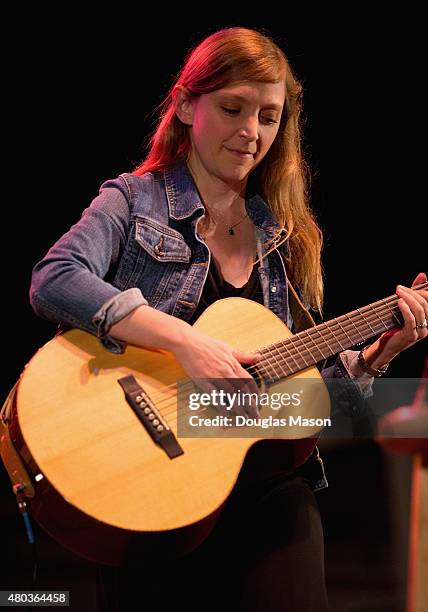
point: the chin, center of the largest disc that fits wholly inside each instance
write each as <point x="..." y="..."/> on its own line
<point x="237" y="174"/>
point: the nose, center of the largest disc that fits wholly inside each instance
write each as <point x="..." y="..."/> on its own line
<point x="250" y="128"/>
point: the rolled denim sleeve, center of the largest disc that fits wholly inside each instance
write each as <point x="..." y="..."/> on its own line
<point x="346" y="367"/>
<point x="349" y="393"/>
<point x="69" y="285"/>
<point x="113" y="311"/>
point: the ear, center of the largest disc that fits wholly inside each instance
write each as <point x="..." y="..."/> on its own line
<point x="183" y="105"/>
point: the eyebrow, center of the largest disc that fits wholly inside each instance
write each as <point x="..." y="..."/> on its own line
<point x="269" y="105"/>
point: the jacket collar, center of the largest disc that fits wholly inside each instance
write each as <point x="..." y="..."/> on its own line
<point x="184" y="200"/>
<point x="182" y="194"/>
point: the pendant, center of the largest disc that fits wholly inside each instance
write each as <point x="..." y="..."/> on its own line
<point x="231" y="231"/>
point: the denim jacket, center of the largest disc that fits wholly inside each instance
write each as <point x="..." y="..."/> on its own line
<point x="138" y="244"/>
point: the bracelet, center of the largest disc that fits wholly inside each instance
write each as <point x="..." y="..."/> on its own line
<point x="368" y="369"/>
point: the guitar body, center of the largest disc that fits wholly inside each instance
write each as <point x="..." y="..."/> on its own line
<point x="108" y="491"/>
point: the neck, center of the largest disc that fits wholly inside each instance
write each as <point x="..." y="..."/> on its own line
<point x="218" y="196"/>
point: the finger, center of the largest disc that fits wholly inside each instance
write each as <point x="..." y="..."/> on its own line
<point x="252" y="408"/>
<point x="219" y="390"/>
<point x="250" y="394"/>
<point x="420" y="294"/>
<point x="229" y="397"/>
<point x="420" y="278"/>
<point x="204" y="387"/>
<point x="252" y="389"/>
<point x="246" y="383"/>
<point x="422" y="298"/>
<point x="246" y="358"/>
<point x="246" y="390"/>
<point x="416" y="303"/>
<point x="409" y="322"/>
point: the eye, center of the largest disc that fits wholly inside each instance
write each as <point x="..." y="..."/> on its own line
<point x="230" y="111"/>
<point x="269" y="120"/>
<point x="263" y="119"/>
<point x="235" y="111"/>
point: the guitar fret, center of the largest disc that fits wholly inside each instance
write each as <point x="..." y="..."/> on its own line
<point x="269" y="351"/>
<point x="333" y="349"/>
<point x="342" y="328"/>
<point x="365" y="321"/>
<point x="316" y="330"/>
<point x="316" y="344"/>
<point x="302" y="357"/>
<point x="283" y="345"/>
<point x="394" y="316"/>
<point x="291" y="354"/>
<point x="358" y="336"/>
<point x="308" y="348"/>
<point x="276" y="363"/>
<point x="264" y="365"/>
<point x="381" y="320"/>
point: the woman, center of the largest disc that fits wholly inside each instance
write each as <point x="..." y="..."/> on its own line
<point x="203" y="217"/>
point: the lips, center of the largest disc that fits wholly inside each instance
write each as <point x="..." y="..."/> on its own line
<point x="240" y="152"/>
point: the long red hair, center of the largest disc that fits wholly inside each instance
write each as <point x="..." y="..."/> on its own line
<point x="235" y="55"/>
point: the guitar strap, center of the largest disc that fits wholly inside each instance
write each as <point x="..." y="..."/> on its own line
<point x="301" y="317"/>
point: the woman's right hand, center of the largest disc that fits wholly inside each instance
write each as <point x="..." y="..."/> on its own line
<point x="205" y="359"/>
<point x="210" y="363"/>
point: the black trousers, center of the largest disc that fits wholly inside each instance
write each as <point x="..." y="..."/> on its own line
<point x="266" y="553"/>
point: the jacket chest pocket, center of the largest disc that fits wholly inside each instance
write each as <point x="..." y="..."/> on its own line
<point x="157" y="260"/>
<point x="161" y="242"/>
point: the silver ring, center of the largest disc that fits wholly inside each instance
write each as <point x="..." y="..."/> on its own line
<point x="421" y="325"/>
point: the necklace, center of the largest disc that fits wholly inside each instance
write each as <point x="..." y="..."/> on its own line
<point x="230" y="229"/>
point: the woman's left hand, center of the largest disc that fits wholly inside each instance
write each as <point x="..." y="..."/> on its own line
<point x="414" y="308"/>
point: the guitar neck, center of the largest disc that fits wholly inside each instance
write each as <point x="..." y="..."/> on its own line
<point x="313" y="345"/>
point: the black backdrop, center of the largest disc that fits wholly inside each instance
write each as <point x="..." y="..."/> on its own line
<point x="82" y="93"/>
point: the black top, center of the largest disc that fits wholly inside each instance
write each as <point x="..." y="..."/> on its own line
<point x="216" y="288"/>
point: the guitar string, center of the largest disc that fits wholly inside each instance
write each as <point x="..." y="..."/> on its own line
<point x="326" y="327"/>
<point x="273" y="351"/>
<point x="270" y="365"/>
<point x="381" y="304"/>
<point x="299" y="338"/>
<point x="270" y="352"/>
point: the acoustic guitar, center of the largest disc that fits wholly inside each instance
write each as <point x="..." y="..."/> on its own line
<point x="93" y="437"/>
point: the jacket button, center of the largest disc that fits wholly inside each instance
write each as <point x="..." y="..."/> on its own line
<point x="158" y="248"/>
<point x="273" y="289"/>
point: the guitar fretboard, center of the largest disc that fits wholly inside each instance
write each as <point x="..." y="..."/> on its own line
<point x="311" y="346"/>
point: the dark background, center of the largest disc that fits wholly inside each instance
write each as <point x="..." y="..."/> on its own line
<point x="81" y="95"/>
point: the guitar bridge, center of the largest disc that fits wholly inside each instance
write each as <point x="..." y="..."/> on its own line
<point x="150" y="417"/>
